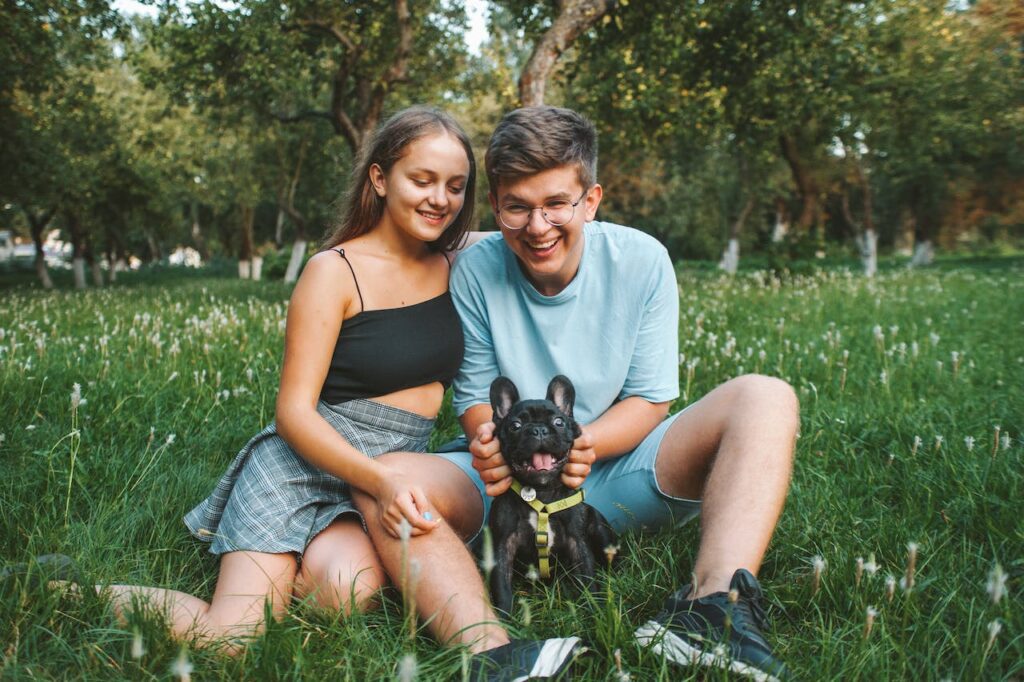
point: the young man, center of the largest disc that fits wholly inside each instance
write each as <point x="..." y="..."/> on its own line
<point x="558" y="293"/>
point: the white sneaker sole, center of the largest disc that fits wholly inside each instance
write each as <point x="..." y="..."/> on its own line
<point x="663" y="641"/>
<point x="552" y="658"/>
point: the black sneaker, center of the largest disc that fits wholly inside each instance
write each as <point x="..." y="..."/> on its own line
<point x="524" y="659"/>
<point x="712" y="632"/>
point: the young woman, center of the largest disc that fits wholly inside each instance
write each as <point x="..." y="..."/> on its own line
<point x="372" y="341"/>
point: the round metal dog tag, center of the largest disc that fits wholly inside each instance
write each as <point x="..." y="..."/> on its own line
<point x="528" y="494"/>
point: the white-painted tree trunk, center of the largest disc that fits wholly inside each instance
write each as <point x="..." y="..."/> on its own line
<point x="731" y="257"/>
<point x="295" y="262"/>
<point x="924" y="253"/>
<point x="78" y="270"/>
<point x="43" y="272"/>
<point x="869" y="252"/>
<point x="781" y="228"/>
<point x="257" y="268"/>
<point x="244" y="269"/>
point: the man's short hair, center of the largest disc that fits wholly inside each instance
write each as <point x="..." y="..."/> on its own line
<point x="531" y="140"/>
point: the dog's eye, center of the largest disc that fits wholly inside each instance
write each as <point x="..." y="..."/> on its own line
<point x="515" y="426"/>
<point x="558" y="421"/>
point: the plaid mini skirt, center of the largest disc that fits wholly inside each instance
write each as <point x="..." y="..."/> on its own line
<point x="272" y="500"/>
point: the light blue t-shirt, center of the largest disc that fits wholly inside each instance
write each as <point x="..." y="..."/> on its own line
<point x="614" y="330"/>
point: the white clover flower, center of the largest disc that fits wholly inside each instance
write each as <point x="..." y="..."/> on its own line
<point x="532" y="575"/>
<point x="248" y="374"/>
<point x="76" y="396"/>
<point x="996" y="585"/>
<point x="877" y="332"/>
<point x="969" y="442"/>
<point x="883" y="377"/>
<point x="871" y="566"/>
<point x="182" y="667"/>
<point x="1005" y="441"/>
<point x="870" y="613"/>
<point x="30" y="427"/>
<point x="170" y="438"/>
<point x="934" y="338"/>
<point x="408" y="668"/>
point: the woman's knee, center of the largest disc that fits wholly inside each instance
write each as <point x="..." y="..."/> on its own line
<point x="340" y="569"/>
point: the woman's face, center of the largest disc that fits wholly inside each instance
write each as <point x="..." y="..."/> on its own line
<point x="425" y="189"/>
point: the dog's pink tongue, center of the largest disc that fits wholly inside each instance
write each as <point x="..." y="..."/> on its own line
<point x="542" y="461"/>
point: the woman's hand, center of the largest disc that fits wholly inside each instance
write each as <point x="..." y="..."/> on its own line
<point x="399" y="498"/>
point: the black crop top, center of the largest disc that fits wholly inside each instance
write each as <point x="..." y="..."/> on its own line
<point x="383" y="351"/>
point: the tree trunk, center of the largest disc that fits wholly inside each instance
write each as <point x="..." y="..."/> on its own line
<point x="286" y="205"/>
<point x="245" y="246"/>
<point x="781" y="229"/>
<point x="197" y="234"/>
<point x="574" y="17"/>
<point x="279" y="228"/>
<point x="864" y="237"/>
<point x="37" y="224"/>
<point x="924" y="253"/>
<point x="731" y="256"/>
<point x="295" y="262"/>
<point x="807" y="186"/>
<point x="926" y="221"/>
<point x="77" y="249"/>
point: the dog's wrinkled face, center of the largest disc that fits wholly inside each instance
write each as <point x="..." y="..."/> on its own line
<point x="536" y="435"/>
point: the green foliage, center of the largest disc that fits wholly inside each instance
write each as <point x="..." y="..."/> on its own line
<point x="877" y="364"/>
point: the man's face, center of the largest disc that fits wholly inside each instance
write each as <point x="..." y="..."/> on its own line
<point x="549" y="255"/>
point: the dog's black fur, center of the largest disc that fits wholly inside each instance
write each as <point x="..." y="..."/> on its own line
<point x="578" y="535"/>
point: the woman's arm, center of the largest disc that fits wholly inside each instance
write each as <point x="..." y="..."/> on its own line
<point x="323" y="295"/>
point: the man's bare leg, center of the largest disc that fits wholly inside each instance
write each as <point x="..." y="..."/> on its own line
<point x="450" y="593"/>
<point x="733" y="449"/>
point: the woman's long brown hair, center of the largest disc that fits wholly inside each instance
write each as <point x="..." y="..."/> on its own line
<point x="363" y="208"/>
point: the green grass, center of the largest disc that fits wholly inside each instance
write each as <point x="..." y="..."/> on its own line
<point x="198" y="358"/>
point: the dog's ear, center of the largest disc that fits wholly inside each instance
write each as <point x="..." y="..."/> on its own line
<point x="562" y="394"/>
<point x="503" y="396"/>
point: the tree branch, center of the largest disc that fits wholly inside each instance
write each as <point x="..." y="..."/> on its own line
<point x="314" y="27"/>
<point x="574" y="17"/>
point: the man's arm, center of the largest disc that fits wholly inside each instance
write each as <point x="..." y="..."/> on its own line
<point x="624" y="425"/>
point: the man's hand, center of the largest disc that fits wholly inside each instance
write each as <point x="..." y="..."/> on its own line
<point x="581" y="457"/>
<point x="489" y="462"/>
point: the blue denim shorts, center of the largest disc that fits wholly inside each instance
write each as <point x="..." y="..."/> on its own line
<point x="624" y="488"/>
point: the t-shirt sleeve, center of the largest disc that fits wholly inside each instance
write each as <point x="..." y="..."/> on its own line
<point x="654" y="368"/>
<point x="472" y="384"/>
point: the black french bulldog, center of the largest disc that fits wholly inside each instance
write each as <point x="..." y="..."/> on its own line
<point x="536" y="437"/>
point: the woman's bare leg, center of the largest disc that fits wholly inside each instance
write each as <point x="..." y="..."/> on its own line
<point x="247" y="581"/>
<point x="340" y="569"/>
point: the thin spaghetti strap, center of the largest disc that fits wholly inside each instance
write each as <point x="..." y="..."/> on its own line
<point x="341" y="252"/>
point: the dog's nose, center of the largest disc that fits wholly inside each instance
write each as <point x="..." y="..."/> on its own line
<point x="539" y="431"/>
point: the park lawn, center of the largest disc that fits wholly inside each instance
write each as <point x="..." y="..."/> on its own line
<point x="911" y="402"/>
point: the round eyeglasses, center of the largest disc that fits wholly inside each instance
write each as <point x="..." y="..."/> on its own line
<point x="556" y="212"/>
